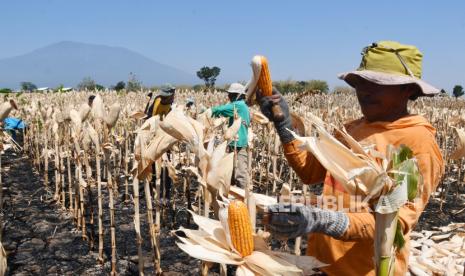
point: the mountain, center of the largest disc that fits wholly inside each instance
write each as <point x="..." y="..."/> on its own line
<point x="69" y="62"/>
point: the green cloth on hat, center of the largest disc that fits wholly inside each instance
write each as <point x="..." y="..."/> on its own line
<point x="242" y="110"/>
<point x="387" y="57"/>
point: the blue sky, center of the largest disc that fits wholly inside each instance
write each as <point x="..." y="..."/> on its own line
<point x="302" y="39"/>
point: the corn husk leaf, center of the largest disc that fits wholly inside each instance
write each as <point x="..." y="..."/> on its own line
<point x="267" y="264"/>
<point x="84" y="111"/>
<point x="244" y="270"/>
<point x="219" y="176"/>
<point x="459" y="151"/>
<point x="3" y="260"/>
<point x="250" y="87"/>
<point x="137" y="115"/>
<point x="177" y="125"/>
<point x="150" y="124"/>
<point x="201" y="253"/>
<point x="259" y="118"/>
<point x="94" y="137"/>
<point x="231" y="132"/>
<point x="160" y="144"/>
<point x="298" y="124"/>
<point x="261" y="200"/>
<point x="344" y="165"/>
<point x="113" y="115"/>
<point x="98" y="108"/>
<point x="212" y="227"/>
<point x="306" y="263"/>
<point x="6" y="108"/>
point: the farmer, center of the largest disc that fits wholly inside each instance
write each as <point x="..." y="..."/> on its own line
<point x="90" y="100"/>
<point x="161" y="106"/>
<point x="190" y="108"/>
<point x="388" y="77"/>
<point x="237" y="107"/>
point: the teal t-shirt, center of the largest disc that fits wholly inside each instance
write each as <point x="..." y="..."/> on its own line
<point x="242" y="110"/>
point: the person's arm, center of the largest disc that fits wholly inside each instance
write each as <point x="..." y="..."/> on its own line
<point x="226" y="110"/>
<point x="362" y="225"/>
<point x="307" y="167"/>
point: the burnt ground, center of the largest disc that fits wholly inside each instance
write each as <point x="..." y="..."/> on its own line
<point x="41" y="238"/>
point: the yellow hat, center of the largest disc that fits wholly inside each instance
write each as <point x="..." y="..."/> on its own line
<point x="391" y="63"/>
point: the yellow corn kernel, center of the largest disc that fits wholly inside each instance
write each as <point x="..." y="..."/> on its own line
<point x="240" y="228"/>
<point x="264" y="81"/>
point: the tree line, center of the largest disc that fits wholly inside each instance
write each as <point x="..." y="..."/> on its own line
<point x="209" y="76"/>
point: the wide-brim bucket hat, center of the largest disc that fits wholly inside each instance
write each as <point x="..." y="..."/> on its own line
<point x="391" y="63"/>
<point x="236" y="88"/>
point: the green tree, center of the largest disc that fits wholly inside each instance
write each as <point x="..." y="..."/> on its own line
<point x="458" y="91"/>
<point x="87" y="83"/>
<point x="59" y="88"/>
<point x="133" y="83"/>
<point x="198" y="87"/>
<point x="320" y="85"/>
<point x="209" y="75"/>
<point x="28" y="86"/>
<point x="99" y="87"/>
<point x="286" y="86"/>
<point x="345" y="90"/>
<point x="5" y="90"/>
<point x="120" y="86"/>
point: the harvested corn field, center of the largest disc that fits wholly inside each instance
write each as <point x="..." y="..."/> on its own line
<point x="98" y="189"/>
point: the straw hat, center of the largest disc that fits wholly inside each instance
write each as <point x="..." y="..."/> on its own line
<point x="391" y="63"/>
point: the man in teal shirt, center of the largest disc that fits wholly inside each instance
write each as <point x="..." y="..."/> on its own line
<point x="236" y="95"/>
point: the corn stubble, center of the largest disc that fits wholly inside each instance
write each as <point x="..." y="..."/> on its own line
<point x="109" y="145"/>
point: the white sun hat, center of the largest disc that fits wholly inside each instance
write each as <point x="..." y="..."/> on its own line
<point x="236" y="88"/>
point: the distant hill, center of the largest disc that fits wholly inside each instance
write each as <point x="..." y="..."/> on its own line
<point x="69" y="62"/>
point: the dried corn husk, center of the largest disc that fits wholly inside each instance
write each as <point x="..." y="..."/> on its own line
<point x="256" y="65"/>
<point x="84" y="111"/>
<point x="98" y="108"/>
<point x="212" y="243"/>
<point x="177" y="125"/>
<point x="113" y="115"/>
<point x="160" y="144"/>
<point x="460" y="148"/>
<point x="258" y="117"/>
<point x="3" y="262"/>
<point x="298" y="125"/>
<point x="233" y="129"/>
<point x="434" y="252"/>
<point x="137" y="115"/>
<point x="360" y="174"/>
<point x="6" y="108"/>
<point x="219" y="177"/>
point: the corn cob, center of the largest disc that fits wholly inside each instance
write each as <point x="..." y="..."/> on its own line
<point x="264" y="81"/>
<point x="240" y="228"/>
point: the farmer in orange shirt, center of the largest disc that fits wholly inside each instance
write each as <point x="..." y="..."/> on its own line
<point x="388" y="77"/>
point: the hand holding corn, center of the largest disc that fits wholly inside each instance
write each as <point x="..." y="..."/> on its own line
<point x="266" y="105"/>
<point x="287" y="222"/>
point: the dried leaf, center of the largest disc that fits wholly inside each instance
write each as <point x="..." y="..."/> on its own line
<point x="113" y="115"/>
<point x="460" y="148"/>
<point x="231" y="132"/>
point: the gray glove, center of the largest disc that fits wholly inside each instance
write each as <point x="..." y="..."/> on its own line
<point x="281" y="126"/>
<point x="299" y="220"/>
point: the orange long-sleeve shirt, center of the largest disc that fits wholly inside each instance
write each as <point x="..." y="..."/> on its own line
<point x="353" y="253"/>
